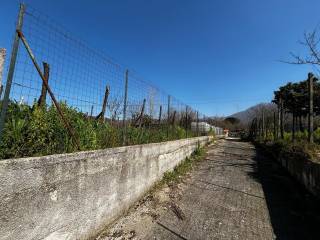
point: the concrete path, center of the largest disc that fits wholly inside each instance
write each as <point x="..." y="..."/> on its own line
<point x="237" y="194"/>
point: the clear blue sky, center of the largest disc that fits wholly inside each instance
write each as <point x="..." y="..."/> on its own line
<point x="219" y="56"/>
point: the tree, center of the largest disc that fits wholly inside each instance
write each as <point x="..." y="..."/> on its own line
<point x="232" y="120"/>
<point x="311" y="43"/>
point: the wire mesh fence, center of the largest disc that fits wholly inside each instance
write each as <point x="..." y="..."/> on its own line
<point x="103" y="102"/>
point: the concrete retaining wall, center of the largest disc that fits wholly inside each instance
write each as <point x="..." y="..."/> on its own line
<point x="306" y="172"/>
<point x="73" y="196"/>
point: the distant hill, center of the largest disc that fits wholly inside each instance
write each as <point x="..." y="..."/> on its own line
<point x="247" y="115"/>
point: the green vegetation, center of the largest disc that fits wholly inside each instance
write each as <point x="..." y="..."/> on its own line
<point x="37" y="131"/>
<point x="184" y="167"/>
<point x="282" y="149"/>
<point x="286" y="131"/>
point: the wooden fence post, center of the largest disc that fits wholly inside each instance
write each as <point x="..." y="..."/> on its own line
<point x="43" y="96"/>
<point x="69" y="128"/>
<point x="174" y="117"/>
<point x="160" y="113"/>
<point x="104" y="105"/>
<point x="142" y="112"/>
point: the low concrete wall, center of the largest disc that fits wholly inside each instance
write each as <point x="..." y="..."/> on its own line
<point x="73" y="196"/>
<point x="305" y="171"/>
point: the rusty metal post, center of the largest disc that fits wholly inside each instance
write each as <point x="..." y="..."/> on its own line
<point x="43" y="96"/>
<point x="54" y="100"/>
<point x="124" y="125"/>
<point x="310" y="115"/>
<point x="12" y="65"/>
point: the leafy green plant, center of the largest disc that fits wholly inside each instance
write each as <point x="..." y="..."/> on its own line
<point x="37" y="131"/>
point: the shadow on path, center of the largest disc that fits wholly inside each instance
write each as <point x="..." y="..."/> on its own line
<point x="294" y="213"/>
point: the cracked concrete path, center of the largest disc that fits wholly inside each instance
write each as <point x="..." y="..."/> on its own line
<point x="223" y="201"/>
<point x="233" y="194"/>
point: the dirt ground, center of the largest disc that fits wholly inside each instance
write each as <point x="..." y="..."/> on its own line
<point x="234" y="193"/>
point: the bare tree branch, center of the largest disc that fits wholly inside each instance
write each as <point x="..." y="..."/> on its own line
<point x="311" y="42"/>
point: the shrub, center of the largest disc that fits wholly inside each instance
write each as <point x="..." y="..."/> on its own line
<point x="36" y="131"/>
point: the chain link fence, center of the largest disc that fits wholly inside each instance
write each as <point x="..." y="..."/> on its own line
<point x="62" y="96"/>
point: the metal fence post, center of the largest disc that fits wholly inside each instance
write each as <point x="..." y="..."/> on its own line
<point x="124" y="125"/>
<point x="186" y="122"/>
<point x="197" y="124"/>
<point x="168" y="117"/>
<point x="13" y="59"/>
<point x="2" y="61"/>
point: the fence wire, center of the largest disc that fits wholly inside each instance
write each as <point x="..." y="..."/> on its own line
<point x="78" y="77"/>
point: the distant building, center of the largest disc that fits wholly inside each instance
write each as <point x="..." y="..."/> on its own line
<point x="204" y="128"/>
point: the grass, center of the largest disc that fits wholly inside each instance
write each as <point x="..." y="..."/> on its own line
<point x="298" y="151"/>
<point x="176" y="175"/>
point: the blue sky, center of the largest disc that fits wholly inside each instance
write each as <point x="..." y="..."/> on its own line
<point x="217" y="56"/>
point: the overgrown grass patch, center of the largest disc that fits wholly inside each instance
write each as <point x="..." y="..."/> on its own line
<point x="300" y="150"/>
<point x="183" y="168"/>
